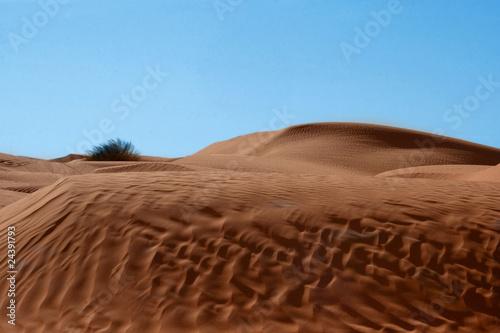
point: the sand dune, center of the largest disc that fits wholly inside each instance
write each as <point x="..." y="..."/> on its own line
<point x="289" y="233"/>
<point x="490" y="175"/>
<point x="143" y="167"/>
<point x="356" y="148"/>
<point x="457" y="172"/>
<point x="21" y="175"/>
<point x="435" y="171"/>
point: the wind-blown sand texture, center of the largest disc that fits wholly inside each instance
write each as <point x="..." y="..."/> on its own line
<point x="332" y="227"/>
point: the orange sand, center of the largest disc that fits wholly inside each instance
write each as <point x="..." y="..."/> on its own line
<point x="314" y="228"/>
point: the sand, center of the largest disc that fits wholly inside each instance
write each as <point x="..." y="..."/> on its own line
<point x="331" y="227"/>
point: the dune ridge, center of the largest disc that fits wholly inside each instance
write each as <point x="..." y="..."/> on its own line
<point x="491" y="175"/>
<point x="25" y="175"/>
<point x="359" y="148"/>
<point x="291" y="236"/>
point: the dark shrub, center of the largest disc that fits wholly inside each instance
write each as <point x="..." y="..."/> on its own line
<point x="113" y="150"/>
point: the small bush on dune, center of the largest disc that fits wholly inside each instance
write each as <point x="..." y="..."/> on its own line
<point x="114" y="150"/>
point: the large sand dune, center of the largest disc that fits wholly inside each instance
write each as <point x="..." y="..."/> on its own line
<point x="354" y="148"/>
<point x="490" y="174"/>
<point x="314" y="228"/>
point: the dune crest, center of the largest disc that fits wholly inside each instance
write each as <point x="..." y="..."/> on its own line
<point x="489" y="175"/>
<point x="294" y="236"/>
<point x="355" y="148"/>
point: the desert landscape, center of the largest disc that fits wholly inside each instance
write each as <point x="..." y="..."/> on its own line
<point x="323" y="227"/>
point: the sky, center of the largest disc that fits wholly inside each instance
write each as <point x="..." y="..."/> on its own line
<point x="174" y="76"/>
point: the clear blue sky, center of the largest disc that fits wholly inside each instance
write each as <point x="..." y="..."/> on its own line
<point x="68" y="67"/>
